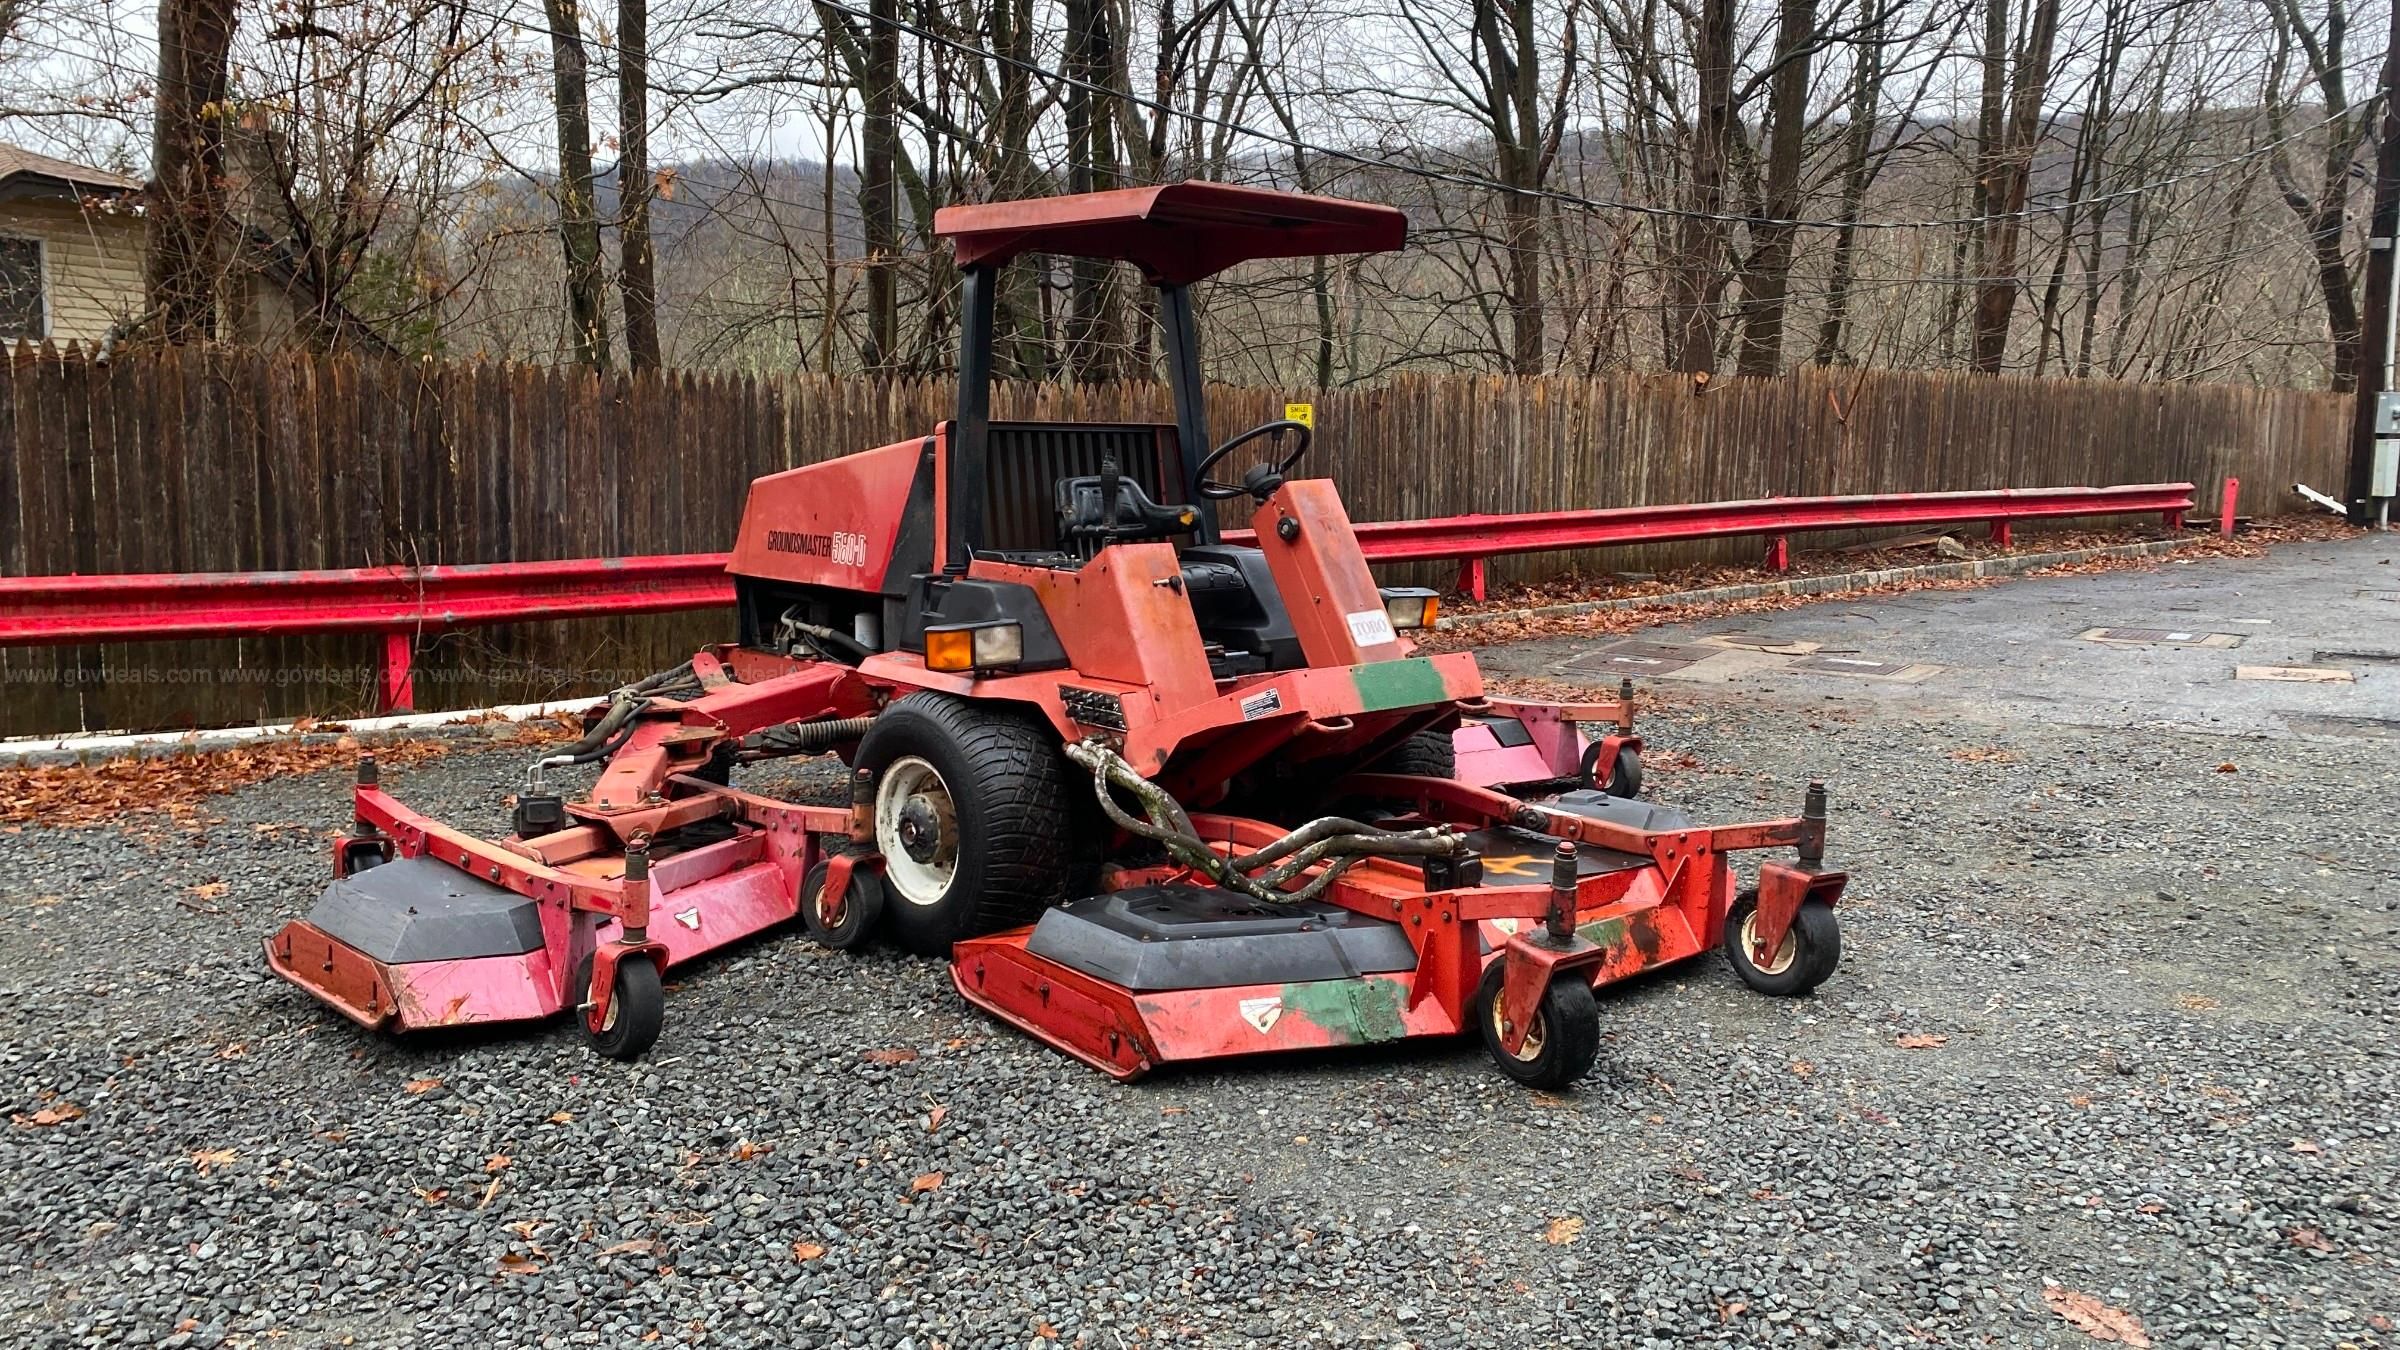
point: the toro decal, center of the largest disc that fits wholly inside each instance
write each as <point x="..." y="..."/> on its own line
<point x="843" y="548"/>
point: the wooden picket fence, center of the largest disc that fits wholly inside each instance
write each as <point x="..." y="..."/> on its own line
<point x="204" y="459"/>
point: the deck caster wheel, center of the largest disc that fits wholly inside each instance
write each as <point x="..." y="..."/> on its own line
<point x="1809" y="953"/>
<point x="862" y="906"/>
<point x="1564" y="1041"/>
<point x="1624" y="776"/>
<point x="637" y="1008"/>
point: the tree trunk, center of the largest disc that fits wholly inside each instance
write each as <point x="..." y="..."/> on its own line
<point x="187" y="157"/>
<point x="1093" y="340"/>
<point x="637" y="278"/>
<point x="1767" y="281"/>
<point x="2007" y="175"/>
<point x="1700" y="242"/>
<point x="878" y="211"/>
<point x="578" y="226"/>
<point x="1866" y="83"/>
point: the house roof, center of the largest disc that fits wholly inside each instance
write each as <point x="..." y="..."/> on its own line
<point x="17" y="162"/>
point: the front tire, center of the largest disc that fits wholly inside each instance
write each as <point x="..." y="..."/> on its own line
<point x="1429" y="754"/>
<point x="1564" y="1041"/>
<point x="1810" y="951"/>
<point x="974" y="818"/>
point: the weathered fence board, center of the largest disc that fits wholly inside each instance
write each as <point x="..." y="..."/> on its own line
<point x="214" y="459"/>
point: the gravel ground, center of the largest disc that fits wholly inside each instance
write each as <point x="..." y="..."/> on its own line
<point x="2163" y="992"/>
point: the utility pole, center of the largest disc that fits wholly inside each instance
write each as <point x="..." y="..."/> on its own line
<point x="2374" y="458"/>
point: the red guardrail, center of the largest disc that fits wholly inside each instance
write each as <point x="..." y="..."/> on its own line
<point x="400" y="602"/>
<point x="397" y="602"/>
<point x="1472" y="539"/>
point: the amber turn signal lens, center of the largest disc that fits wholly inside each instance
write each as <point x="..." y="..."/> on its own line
<point x="951" y="649"/>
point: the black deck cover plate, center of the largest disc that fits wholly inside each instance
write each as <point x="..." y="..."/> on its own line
<point x="417" y="909"/>
<point x="1154" y="938"/>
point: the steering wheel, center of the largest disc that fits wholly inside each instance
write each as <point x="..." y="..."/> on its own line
<point x="1223" y="492"/>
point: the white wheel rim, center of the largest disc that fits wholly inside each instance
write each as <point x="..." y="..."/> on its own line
<point x="1784" y="955"/>
<point x="1531" y="1050"/>
<point x="924" y="881"/>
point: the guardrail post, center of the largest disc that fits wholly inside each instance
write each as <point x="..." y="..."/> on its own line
<point x="395" y="683"/>
<point x="2227" y="504"/>
<point x="2001" y="536"/>
<point x="1470" y="578"/>
<point x="1779" y="552"/>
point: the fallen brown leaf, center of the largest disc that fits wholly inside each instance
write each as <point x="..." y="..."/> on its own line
<point x="900" y="1054"/>
<point x="2227" y="767"/>
<point x="2307" y="1146"/>
<point x="744" y="1150"/>
<point x="935" y="1117"/>
<point x="175" y="785"/>
<point x="488" y="1192"/>
<point x="1922" y="1041"/>
<point x="926" y="1181"/>
<point x="1801" y="1068"/>
<point x="418" y="1087"/>
<point x="2310" y="1238"/>
<point x="1562" y="1230"/>
<point x="433" y="1197"/>
<point x="1045" y="1331"/>
<point x="517" y="1263"/>
<point x="210" y="890"/>
<point x="498" y="1162"/>
<point x="562" y="1117"/>
<point x="209" y="1159"/>
<point x="2094" y="1318"/>
<point x="634" y="1247"/>
<point x="57" y="1113"/>
<point x="806" y="1251"/>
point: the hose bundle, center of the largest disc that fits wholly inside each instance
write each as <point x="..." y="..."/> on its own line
<point x="1278" y="863"/>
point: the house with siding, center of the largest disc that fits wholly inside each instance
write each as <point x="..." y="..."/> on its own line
<point x="70" y="248"/>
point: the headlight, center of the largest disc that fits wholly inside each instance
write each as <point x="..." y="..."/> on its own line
<point x="982" y="646"/>
<point x="1411" y="606"/>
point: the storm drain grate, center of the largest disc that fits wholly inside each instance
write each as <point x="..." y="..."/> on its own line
<point x="2163" y="637"/>
<point x="1636" y="658"/>
<point x="2337" y="658"/>
<point x="1850" y="665"/>
<point x="2338" y="724"/>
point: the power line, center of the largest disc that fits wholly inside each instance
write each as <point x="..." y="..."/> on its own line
<point x="1562" y="198"/>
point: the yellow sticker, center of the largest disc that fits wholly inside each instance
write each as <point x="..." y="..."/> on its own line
<point x="1303" y="413"/>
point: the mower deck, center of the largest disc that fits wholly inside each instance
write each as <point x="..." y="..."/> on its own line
<point x="1166" y="970"/>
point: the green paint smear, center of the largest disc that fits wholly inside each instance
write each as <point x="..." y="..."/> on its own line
<point x="1410" y="682"/>
<point x="1603" y="932"/>
<point x="1354" y="1012"/>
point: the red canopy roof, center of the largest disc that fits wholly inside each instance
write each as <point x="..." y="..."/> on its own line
<point x="1177" y="233"/>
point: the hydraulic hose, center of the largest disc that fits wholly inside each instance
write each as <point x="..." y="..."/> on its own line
<point x="1284" y="859"/>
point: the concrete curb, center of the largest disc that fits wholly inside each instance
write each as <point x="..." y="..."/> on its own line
<point x="46" y="751"/>
<point x="2009" y="565"/>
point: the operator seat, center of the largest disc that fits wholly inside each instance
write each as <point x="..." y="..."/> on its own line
<point x="1046" y="511"/>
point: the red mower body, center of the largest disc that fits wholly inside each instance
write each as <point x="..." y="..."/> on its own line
<point x="1079" y="728"/>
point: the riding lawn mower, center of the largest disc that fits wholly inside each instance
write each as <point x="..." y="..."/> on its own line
<point x="1158" y="790"/>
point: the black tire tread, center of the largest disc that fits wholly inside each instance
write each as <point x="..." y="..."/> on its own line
<point x="1430" y="754"/>
<point x="1033" y="849"/>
